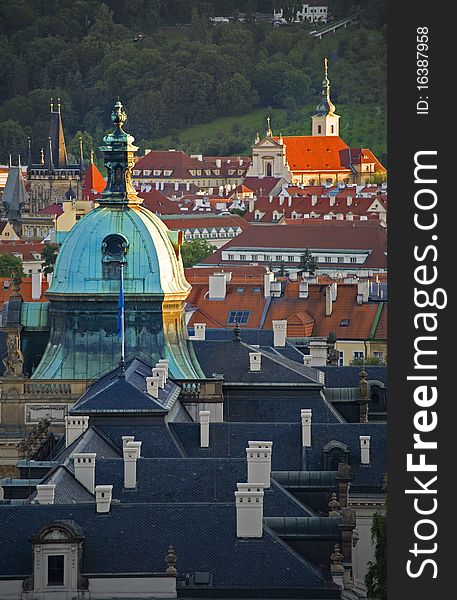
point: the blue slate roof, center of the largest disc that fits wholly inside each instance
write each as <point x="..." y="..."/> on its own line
<point x="277" y="408"/>
<point x="203" y="536"/>
<point x="232" y="359"/>
<point x="116" y="394"/>
<point x="349" y="376"/>
<point x="157" y="439"/>
<point x="90" y="441"/>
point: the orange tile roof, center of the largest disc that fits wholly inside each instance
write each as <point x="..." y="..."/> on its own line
<point x="201" y="222"/>
<point x="6" y="290"/>
<point x="315" y="153"/>
<point x="94" y="183"/>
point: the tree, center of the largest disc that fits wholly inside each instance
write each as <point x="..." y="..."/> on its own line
<point x="376" y="577"/>
<point x="238" y="211"/>
<point x="371" y="360"/>
<point x="282" y="271"/>
<point x="50" y="256"/>
<point x="10" y="266"/>
<point x="194" y="251"/>
<point x="308" y="262"/>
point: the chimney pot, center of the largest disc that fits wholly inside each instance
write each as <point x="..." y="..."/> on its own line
<point x="75" y="427"/>
<point x="36" y="286"/>
<point x="204" y="428"/>
<point x="259" y="465"/>
<point x="328" y="301"/>
<point x="200" y="331"/>
<point x="249" y="510"/>
<point x="84" y="464"/>
<point x="103" y="497"/>
<point x="255" y="361"/>
<point x="365" y="449"/>
<point x="279" y="333"/>
<point x="306" y="418"/>
<point x="159" y="371"/>
<point x="217" y="283"/>
<point x="45" y="493"/>
<point x="152" y="385"/>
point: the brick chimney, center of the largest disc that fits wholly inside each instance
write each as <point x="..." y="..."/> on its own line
<point x="84" y="464"/>
<point x="306" y="417"/>
<point x="259" y="462"/>
<point x="279" y="333"/>
<point x="45" y="493"/>
<point x="103" y="497"/>
<point x="74" y="427"/>
<point x="249" y="510"/>
<point x="204" y="428"/>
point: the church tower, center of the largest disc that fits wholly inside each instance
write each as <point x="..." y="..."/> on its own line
<point x="325" y="121"/>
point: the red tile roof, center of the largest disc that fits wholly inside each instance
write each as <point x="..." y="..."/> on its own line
<point x="23" y="248"/>
<point x="53" y="209"/>
<point x="159" y="204"/>
<point x="348" y="235"/>
<point x="207" y="221"/>
<point x="6" y="290"/>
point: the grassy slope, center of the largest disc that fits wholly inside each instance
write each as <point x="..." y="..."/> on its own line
<point x="359" y="126"/>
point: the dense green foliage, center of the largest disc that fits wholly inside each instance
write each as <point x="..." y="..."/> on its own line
<point x="170" y="75"/>
<point x="10" y="266"/>
<point x="50" y="256"/>
<point x="308" y="262"/>
<point x="194" y="251"/>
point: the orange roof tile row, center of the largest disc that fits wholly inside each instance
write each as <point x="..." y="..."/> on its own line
<point x="25" y="290"/>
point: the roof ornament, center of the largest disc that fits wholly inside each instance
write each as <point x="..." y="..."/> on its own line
<point x="51" y="105"/>
<point x="325" y="106"/>
<point x="336" y="558"/>
<point x="58" y="106"/>
<point x="334" y="507"/>
<point x="269" y="133"/>
<point x="170" y="561"/>
<point x="42" y="156"/>
<point x="257" y="138"/>
<point x="119" y="116"/>
<point x="91" y="156"/>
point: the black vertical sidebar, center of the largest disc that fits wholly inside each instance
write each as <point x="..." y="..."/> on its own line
<point x="422" y="259"/>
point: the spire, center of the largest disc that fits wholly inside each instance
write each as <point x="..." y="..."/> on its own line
<point x="81" y="155"/>
<point x="269" y="133"/>
<point x="56" y="133"/>
<point x="119" y="153"/>
<point x="49" y="156"/>
<point x="42" y="156"/>
<point x="325" y="106"/>
<point x="14" y="194"/>
<point x="29" y="158"/>
<point x="91" y="156"/>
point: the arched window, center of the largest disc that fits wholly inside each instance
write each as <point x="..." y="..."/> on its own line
<point x="319" y="129"/>
<point x="268" y="170"/>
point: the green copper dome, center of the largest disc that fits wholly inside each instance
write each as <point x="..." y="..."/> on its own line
<point x="118" y="236"/>
<point x="86" y="267"/>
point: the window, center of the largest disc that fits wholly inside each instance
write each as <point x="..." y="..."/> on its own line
<point x="290" y="258"/>
<point x="56" y="569"/>
<point x="231" y="257"/>
<point x="238" y="316"/>
<point x="340" y="358"/>
<point x="341" y="259"/>
<point x="328" y="259"/>
<point x="240" y="290"/>
<point x="256" y="290"/>
<point x="242" y="256"/>
<point x="353" y="259"/>
<point x="344" y="322"/>
<point x="379" y="355"/>
<point x="278" y="257"/>
<point x="268" y="170"/>
<point x="319" y="129"/>
<point x="255" y="257"/>
<point x="267" y="257"/>
<point x="332" y="129"/>
<point x="358" y="355"/>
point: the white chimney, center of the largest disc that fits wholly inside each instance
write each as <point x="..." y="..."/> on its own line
<point x="303" y="291"/>
<point x="218" y="163"/>
<point x="160" y="373"/>
<point x="313" y="200"/>
<point x="45" y="493"/>
<point x="204" y="428"/>
<point x="275" y="289"/>
<point x="74" y="427"/>
<point x="49" y="277"/>
<point x="200" y="331"/>
<point x="328" y="301"/>
<point x="84" y="463"/>
<point x="152" y="385"/>
<point x="131" y="453"/>
<point x="334" y="290"/>
<point x="279" y="333"/>
<point x="318" y="351"/>
<point x="365" y="449"/>
<point x="293" y="275"/>
<point x="103" y="496"/>
<point x="255" y="361"/>
<point x="249" y="510"/>
<point x="126" y="439"/>
<point x="349" y="200"/>
<point x="164" y="362"/>
<point x="306" y="415"/>
<point x="363" y="288"/>
<point x="259" y="464"/>
<point x="217" y="286"/>
<point x="267" y="279"/>
<point x="36" y="286"/>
